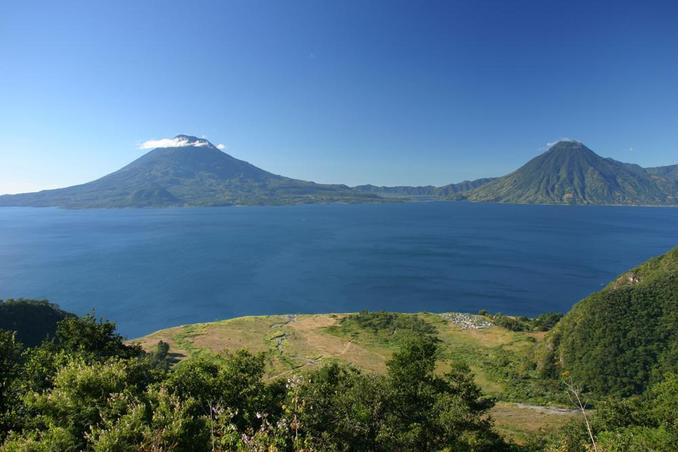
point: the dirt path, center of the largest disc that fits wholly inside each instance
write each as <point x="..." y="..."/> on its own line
<point x="548" y="409"/>
<point x="346" y="348"/>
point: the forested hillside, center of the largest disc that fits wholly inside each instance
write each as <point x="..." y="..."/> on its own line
<point x="621" y="339"/>
<point x="33" y="320"/>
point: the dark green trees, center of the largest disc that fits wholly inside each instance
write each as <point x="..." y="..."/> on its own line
<point x="616" y="341"/>
<point x="425" y="411"/>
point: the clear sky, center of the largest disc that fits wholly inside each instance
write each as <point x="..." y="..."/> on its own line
<point x="358" y="91"/>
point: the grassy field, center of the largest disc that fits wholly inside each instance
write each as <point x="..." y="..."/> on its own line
<point x="499" y="358"/>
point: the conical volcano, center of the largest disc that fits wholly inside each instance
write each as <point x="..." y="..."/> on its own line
<point x="189" y="172"/>
<point x="571" y="173"/>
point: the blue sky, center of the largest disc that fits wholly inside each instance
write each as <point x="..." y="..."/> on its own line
<point x="334" y="91"/>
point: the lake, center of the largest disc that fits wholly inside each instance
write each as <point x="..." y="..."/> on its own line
<point x="148" y="269"/>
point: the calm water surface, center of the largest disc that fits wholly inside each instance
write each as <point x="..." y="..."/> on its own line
<point x="148" y="269"/>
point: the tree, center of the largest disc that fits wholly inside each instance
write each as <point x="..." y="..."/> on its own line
<point x="340" y="406"/>
<point x="232" y="381"/>
<point x="93" y="339"/>
<point x="10" y="366"/>
<point x="428" y="412"/>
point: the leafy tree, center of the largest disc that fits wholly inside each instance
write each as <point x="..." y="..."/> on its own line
<point x="161" y="357"/>
<point x="162" y="421"/>
<point x="10" y="367"/>
<point x="232" y="381"/>
<point x="427" y="412"/>
<point x="82" y="395"/>
<point x="342" y="408"/>
<point x="92" y="338"/>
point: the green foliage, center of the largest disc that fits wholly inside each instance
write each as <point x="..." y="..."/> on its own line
<point x="230" y="380"/>
<point x="338" y="406"/>
<point x="546" y="321"/>
<point x="161" y="358"/>
<point x="428" y="412"/>
<point x="33" y="320"/>
<point x="664" y="396"/>
<point x="391" y="327"/>
<point x="95" y="339"/>
<point x="543" y="322"/>
<point x="10" y="369"/>
<point x="95" y="393"/>
<point x="641" y="423"/>
<point x="638" y="438"/>
<point x="511" y="323"/>
<point x="616" y="340"/>
<point x="81" y="395"/>
<point x="157" y="421"/>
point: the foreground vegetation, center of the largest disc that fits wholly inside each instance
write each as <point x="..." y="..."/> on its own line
<point x="86" y="389"/>
<point x="364" y="381"/>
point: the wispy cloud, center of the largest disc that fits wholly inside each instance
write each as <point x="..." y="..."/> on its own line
<point x="550" y="144"/>
<point x="171" y="143"/>
<point x="221" y="146"/>
<point x="571" y="140"/>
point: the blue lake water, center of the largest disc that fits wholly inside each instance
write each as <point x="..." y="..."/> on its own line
<point x="148" y="269"/>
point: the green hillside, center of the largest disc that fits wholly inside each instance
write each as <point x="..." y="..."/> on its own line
<point x="571" y="173"/>
<point x="619" y="340"/>
<point x="32" y="320"/>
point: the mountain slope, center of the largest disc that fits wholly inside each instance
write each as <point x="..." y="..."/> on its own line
<point x="193" y="174"/>
<point x="666" y="177"/>
<point x="669" y="172"/>
<point x="616" y="339"/>
<point x="571" y="173"/>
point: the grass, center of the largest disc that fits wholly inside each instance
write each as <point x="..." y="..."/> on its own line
<point x="499" y="358"/>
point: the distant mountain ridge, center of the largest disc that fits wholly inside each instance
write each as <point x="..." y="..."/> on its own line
<point x="197" y="173"/>
<point x="450" y="191"/>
